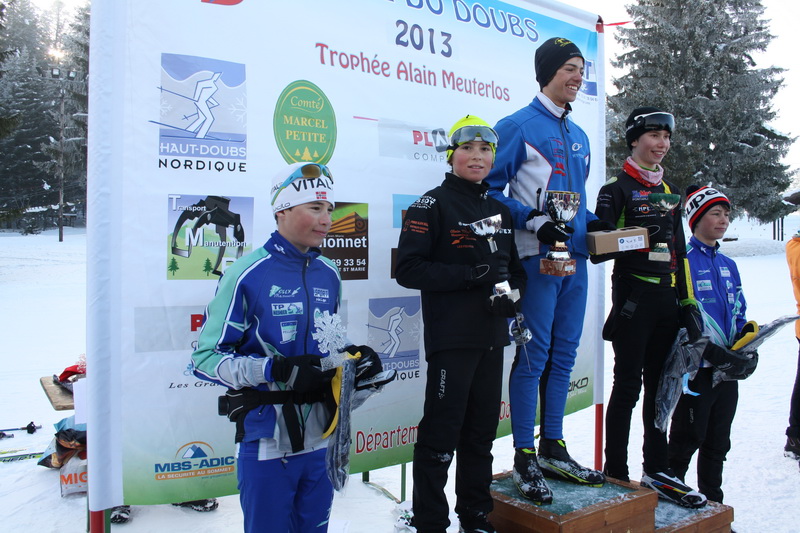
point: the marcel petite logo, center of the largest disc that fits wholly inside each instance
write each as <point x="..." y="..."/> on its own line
<point x="304" y="124"/>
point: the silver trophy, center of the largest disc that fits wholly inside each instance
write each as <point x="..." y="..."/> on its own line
<point x="487" y="227"/>
<point x="561" y="206"/>
<point x="664" y="203"/>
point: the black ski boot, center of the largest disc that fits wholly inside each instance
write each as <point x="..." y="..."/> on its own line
<point x="557" y="463"/>
<point x="672" y="489"/>
<point x="528" y="477"/>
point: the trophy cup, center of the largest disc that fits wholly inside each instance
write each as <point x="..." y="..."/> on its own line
<point x="561" y="206"/>
<point x="664" y="203"/>
<point x="487" y="227"/>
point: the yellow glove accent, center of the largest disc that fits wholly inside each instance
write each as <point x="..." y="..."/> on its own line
<point x="749" y="331"/>
<point x="336" y="392"/>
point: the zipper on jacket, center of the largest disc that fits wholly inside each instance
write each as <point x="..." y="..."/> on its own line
<point x="307" y="310"/>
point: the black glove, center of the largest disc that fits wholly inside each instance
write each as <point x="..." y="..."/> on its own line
<point x="302" y="373"/>
<point x="599" y="225"/>
<point x="692" y="319"/>
<point x="550" y="232"/>
<point x="502" y="305"/>
<point x="733" y="364"/>
<point x="493" y="269"/>
<point x="369" y="369"/>
<point x="368" y="364"/>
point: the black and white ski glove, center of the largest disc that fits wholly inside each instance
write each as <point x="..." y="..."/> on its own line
<point x="550" y="232"/>
<point x="369" y="369"/>
<point x="502" y="305"/>
<point x="529" y="222"/>
<point x="303" y="373"/>
<point x="493" y="269"/>
<point x="733" y="364"/>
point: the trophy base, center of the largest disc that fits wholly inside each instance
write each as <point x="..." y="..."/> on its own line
<point x="553" y="267"/>
<point x="665" y="257"/>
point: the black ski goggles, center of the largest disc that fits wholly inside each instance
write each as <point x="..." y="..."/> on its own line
<point x="654" y="121"/>
<point x="473" y="133"/>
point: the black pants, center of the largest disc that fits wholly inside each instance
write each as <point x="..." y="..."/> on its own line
<point x="642" y="339"/>
<point x="461" y="413"/>
<point x="794" y="408"/>
<point x="704" y="422"/>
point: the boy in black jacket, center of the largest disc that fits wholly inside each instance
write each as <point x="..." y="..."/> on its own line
<point x="466" y="328"/>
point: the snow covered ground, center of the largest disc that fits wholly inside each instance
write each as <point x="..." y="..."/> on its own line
<point x="42" y="320"/>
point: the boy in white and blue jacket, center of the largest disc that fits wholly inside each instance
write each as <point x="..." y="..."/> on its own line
<point x="703" y="422"/>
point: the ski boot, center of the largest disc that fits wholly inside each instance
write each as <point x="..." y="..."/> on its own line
<point x="792" y="448"/>
<point x="672" y="489"/>
<point x="201" y="506"/>
<point x="476" y="523"/>
<point x="528" y="477"/>
<point x="556" y="462"/>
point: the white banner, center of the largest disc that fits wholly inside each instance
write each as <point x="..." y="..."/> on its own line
<point x="194" y="105"/>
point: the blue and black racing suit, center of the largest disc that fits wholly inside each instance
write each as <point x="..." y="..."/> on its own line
<point x="540" y="149"/>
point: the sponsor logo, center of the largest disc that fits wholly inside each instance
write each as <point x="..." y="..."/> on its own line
<point x="222" y="2"/>
<point x="288" y="331"/>
<point x="304" y="124"/>
<point x="725" y="272"/>
<point x="203" y="114"/>
<point x="321" y="295"/>
<point x="287" y="309"/>
<point x="278" y="292"/>
<point x="194" y="459"/>
<point x="704" y="285"/>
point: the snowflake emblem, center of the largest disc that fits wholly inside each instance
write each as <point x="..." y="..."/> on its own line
<point x="330" y="332"/>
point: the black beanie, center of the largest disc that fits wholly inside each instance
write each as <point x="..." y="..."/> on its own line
<point x="551" y="55"/>
<point x="633" y="134"/>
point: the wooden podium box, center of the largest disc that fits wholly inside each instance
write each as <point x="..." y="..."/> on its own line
<point x="616" y="507"/>
<point x="713" y="518"/>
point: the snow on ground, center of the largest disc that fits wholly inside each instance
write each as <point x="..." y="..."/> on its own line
<point x="42" y="287"/>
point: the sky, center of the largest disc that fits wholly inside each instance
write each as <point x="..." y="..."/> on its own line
<point x="45" y="333"/>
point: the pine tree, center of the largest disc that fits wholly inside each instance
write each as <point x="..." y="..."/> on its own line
<point x="7" y="122"/>
<point x="23" y="181"/>
<point x="694" y="58"/>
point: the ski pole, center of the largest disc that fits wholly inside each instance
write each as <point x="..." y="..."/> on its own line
<point x="30" y="428"/>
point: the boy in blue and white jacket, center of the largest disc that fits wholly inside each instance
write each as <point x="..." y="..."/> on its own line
<point x="258" y="340"/>
<point x="704" y="422"/>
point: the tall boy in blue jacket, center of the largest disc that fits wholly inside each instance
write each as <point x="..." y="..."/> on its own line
<point x="543" y="150"/>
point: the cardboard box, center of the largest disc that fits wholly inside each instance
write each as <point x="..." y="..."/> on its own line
<point x="618" y="240"/>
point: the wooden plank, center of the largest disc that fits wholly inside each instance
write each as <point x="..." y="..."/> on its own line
<point x="60" y="398"/>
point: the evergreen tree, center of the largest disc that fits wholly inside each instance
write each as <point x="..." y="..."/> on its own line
<point x="694" y="58"/>
<point x="7" y="122"/>
<point x="67" y="148"/>
<point x="23" y="183"/>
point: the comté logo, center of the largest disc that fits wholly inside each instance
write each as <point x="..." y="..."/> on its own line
<point x="222" y="2"/>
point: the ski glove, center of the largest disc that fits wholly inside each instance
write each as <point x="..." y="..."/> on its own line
<point x="550" y="232"/>
<point x="369" y="369"/>
<point x="599" y="225"/>
<point x="733" y="364"/>
<point x="493" y="269"/>
<point x="302" y="373"/>
<point x="692" y="320"/>
<point x="502" y="305"/>
<point x="529" y="222"/>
